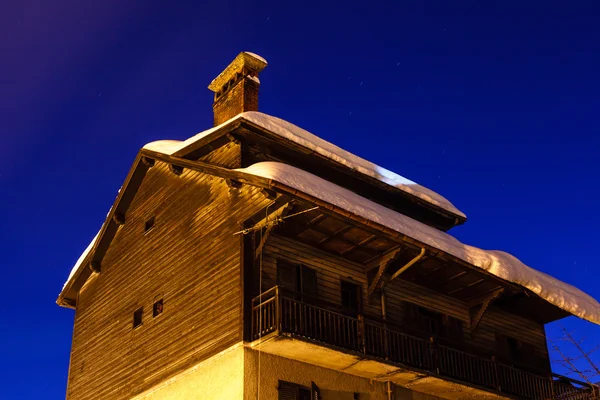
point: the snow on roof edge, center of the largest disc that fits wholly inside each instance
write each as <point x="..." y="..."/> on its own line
<point x="498" y="263"/>
<point x="80" y="260"/>
<point x="310" y="141"/>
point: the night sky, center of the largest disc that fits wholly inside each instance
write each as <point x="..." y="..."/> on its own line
<point x="494" y="106"/>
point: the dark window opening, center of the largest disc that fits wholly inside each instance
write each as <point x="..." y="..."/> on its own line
<point x="157" y="308"/>
<point x="137" y="317"/>
<point x="293" y="391"/>
<point x="432" y="323"/>
<point x="297" y="278"/>
<point x="350" y="296"/>
<point x="149" y="224"/>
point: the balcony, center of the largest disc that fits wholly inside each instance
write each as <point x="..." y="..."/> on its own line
<point x="284" y="324"/>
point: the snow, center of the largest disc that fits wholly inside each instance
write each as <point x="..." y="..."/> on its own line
<point x="256" y="56"/>
<point x="306" y="139"/>
<point x="80" y="260"/>
<point x="498" y="263"/>
<point x="254" y="78"/>
<point x="163" y="146"/>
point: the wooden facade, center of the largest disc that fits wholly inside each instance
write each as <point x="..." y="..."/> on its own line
<point x="189" y="259"/>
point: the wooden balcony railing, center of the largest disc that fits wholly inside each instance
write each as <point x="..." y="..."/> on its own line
<point x="289" y="313"/>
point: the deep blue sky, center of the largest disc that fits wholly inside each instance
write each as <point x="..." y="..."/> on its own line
<point x="493" y="105"/>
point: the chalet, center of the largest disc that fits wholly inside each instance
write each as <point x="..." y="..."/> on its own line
<point x="255" y="260"/>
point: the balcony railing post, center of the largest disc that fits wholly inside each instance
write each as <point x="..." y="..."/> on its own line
<point x="435" y="355"/>
<point x="496" y="374"/>
<point x="361" y="334"/>
<point x="277" y="309"/>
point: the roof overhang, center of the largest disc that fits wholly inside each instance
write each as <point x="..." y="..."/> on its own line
<point x="339" y="202"/>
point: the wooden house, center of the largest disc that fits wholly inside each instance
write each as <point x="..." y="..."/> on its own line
<point x="255" y="260"/>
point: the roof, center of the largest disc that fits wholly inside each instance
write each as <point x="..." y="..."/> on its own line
<point x="498" y="263"/>
<point x="303" y="138"/>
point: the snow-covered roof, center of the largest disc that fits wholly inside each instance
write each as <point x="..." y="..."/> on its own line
<point x="498" y="263"/>
<point x="81" y="260"/>
<point x="314" y="143"/>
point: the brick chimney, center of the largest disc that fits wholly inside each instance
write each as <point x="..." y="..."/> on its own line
<point x="236" y="88"/>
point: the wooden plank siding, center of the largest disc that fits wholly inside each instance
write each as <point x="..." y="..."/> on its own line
<point x="331" y="270"/>
<point x="190" y="259"/>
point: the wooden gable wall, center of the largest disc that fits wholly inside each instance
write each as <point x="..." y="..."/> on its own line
<point x="190" y="259"/>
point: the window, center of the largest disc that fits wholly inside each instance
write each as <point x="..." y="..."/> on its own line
<point x="293" y="391"/>
<point x="157" y="308"/>
<point x="350" y="296"/>
<point x="297" y="278"/>
<point x="149" y="224"/>
<point x="433" y="323"/>
<point x="515" y="350"/>
<point x="137" y="317"/>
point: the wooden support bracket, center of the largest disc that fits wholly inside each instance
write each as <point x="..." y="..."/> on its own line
<point x="477" y="308"/>
<point x="232" y="138"/>
<point x="263" y="241"/>
<point x="149" y="162"/>
<point x="384" y="263"/>
<point x="268" y="224"/>
<point x="119" y="218"/>
<point x="95" y="267"/>
<point x="176" y="169"/>
<point x="233" y="184"/>
<point x="269" y="194"/>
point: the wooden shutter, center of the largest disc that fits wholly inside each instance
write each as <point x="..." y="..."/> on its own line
<point x="287" y="276"/>
<point x="315" y="392"/>
<point x="309" y="281"/>
<point x="287" y="391"/>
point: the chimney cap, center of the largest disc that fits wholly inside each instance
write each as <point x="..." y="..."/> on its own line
<point x="244" y="59"/>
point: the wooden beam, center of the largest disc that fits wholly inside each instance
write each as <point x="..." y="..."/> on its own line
<point x="269" y="223"/>
<point x="477" y="315"/>
<point x="361" y="243"/>
<point x="233" y="185"/>
<point x="176" y="169"/>
<point x="148" y="162"/>
<point x="232" y="138"/>
<point x="119" y="218"/>
<point x="336" y="233"/>
<point x="454" y="291"/>
<point x="263" y="241"/>
<point x="481" y="299"/>
<point x="269" y="194"/>
<point x="384" y="263"/>
<point x="376" y="261"/>
<point x="309" y="224"/>
<point x="95" y="267"/>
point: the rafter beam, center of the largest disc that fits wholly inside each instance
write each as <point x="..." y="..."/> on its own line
<point x="384" y="263"/>
<point x="360" y="244"/>
<point x="335" y="234"/>
<point x="476" y="312"/>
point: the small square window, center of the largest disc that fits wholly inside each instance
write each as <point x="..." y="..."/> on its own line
<point x="149" y="224"/>
<point x="157" y="308"/>
<point x="137" y="317"/>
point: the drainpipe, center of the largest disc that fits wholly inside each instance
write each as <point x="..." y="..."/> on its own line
<point x="389" y="390"/>
<point x="410" y="264"/>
